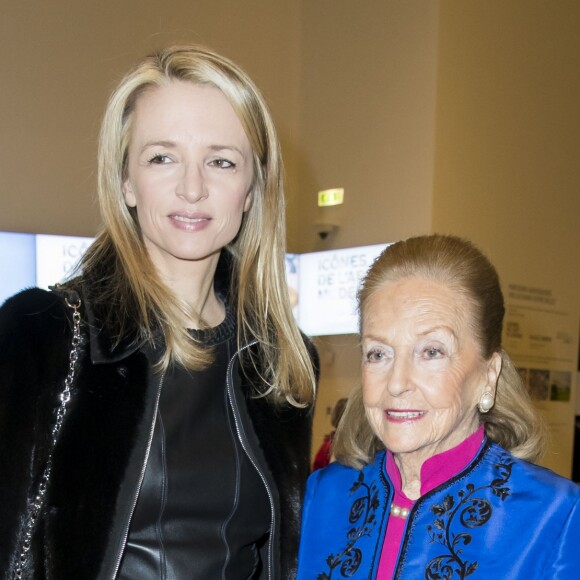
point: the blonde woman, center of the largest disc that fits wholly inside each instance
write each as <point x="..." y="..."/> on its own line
<point x="184" y="447"/>
<point x="433" y="477"/>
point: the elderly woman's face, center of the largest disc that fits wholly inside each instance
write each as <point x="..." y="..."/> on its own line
<point x="422" y="369"/>
<point x="190" y="170"/>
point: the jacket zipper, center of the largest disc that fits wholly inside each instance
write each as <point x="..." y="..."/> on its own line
<point x="245" y="447"/>
<point x="141" y="477"/>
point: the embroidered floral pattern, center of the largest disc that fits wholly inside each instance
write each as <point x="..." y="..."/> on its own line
<point x="455" y="515"/>
<point x="362" y="516"/>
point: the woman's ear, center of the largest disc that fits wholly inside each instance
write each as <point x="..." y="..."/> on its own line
<point x="128" y="193"/>
<point x="248" y="201"/>
<point x="494" y="365"/>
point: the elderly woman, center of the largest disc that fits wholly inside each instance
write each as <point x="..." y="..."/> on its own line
<point x="179" y="447"/>
<point x="435" y="478"/>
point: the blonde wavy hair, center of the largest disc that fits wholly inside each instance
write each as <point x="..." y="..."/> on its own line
<point x="513" y="422"/>
<point x="257" y="277"/>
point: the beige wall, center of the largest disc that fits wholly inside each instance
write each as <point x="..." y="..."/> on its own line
<point x="435" y="115"/>
<point x="508" y="135"/>
<point x="60" y="59"/>
<point x="367" y="118"/>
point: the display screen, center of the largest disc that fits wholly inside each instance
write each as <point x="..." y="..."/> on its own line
<point x="37" y="260"/>
<point x="327" y="284"/>
<point x="17" y="263"/>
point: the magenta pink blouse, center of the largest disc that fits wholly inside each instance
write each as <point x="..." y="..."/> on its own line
<point x="435" y="471"/>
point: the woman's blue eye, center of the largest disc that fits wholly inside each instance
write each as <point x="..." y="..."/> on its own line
<point x="159" y="159"/>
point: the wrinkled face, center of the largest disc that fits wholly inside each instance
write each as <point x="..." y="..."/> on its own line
<point x="190" y="169"/>
<point x="422" y="369"/>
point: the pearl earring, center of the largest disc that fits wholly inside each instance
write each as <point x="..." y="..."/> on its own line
<point x="486" y="402"/>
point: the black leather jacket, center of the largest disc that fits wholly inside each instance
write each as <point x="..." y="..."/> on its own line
<point x="100" y="458"/>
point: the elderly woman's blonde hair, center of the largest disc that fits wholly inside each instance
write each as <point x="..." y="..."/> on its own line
<point x="257" y="254"/>
<point x="513" y="422"/>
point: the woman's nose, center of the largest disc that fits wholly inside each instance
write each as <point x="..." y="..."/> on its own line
<point x="399" y="379"/>
<point x="191" y="185"/>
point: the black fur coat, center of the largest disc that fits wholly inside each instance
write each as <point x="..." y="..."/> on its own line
<point x="99" y="456"/>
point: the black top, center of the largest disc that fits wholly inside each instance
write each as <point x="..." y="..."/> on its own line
<point x="202" y="511"/>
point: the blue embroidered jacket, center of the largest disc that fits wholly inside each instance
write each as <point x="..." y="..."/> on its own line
<point x="499" y="518"/>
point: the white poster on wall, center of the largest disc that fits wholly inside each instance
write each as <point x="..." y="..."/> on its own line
<point x="541" y="336"/>
<point x="17" y="263"/>
<point x="327" y="286"/>
<point x="57" y="256"/>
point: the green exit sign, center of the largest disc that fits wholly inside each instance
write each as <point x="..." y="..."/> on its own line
<point x="331" y="197"/>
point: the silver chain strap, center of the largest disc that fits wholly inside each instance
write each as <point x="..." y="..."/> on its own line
<point x="37" y="503"/>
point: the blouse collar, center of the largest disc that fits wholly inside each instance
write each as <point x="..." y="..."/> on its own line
<point x="441" y="467"/>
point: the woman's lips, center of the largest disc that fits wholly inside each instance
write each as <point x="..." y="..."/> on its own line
<point x="189" y="223"/>
<point x="403" y="415"/>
